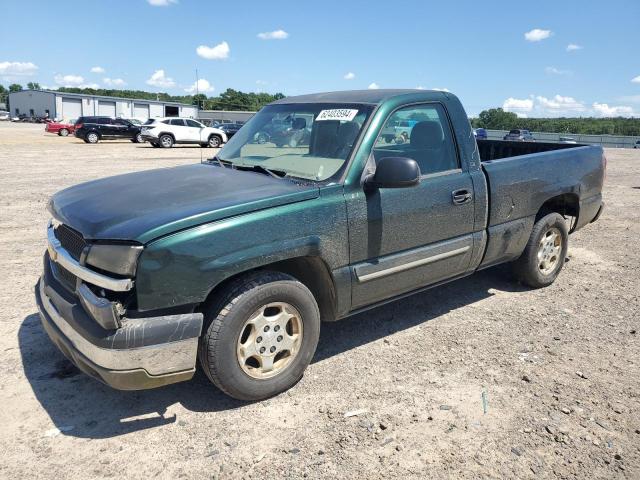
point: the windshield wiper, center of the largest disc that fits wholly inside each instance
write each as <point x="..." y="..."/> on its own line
<point x="261" y="169"/>
<point x="255" y="168"/>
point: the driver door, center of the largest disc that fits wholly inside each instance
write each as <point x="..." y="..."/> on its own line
<point x="402" y="239"/>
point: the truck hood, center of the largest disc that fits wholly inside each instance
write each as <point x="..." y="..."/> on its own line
<point x="145" y="205"/>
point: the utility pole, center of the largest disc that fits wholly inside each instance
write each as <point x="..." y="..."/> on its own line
<point x="197" y="91"/>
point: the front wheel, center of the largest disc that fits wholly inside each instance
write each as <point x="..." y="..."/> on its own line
<point x="259" y="335"/>
<point x="545" y="253"/>
<point x="215" y="141"/>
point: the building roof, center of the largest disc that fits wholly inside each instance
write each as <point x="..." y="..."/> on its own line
<point x="373" y="97"/>
<point x="84" y="95"/>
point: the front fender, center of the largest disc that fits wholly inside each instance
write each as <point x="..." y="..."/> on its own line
<point x="183" y="268"/>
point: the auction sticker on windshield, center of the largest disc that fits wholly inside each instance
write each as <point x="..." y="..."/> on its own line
<point x="344" y="114"/>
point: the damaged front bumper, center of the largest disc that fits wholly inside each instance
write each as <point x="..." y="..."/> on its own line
<point x="142" y="353"/>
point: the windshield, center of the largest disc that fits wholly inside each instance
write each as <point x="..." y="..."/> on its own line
<point x="305" y="140"/>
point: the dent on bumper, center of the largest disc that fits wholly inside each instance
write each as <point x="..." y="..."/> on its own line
<point x="143" y="353"/>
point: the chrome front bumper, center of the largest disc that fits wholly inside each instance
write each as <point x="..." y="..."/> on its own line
<point x="142" y="353"/>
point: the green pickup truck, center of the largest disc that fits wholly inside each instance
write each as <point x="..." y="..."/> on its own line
<point x="236" y="262"/>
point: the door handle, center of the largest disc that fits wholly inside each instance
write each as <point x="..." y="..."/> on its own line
<point x="460" y="197"/>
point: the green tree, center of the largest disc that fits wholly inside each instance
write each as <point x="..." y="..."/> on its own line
<point x="15" y="87"/>
<point x="33" y="86"/>
<point x="497" y="119"/>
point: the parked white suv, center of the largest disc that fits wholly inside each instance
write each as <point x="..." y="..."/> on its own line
<point x="165" y="132"/>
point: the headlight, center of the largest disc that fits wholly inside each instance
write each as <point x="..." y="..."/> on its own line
<point x="115" y="258"/>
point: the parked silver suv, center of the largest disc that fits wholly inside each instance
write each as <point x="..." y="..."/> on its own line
<point x="519" y="135"/>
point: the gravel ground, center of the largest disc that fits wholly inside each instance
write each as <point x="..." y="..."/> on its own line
<point x="479" y="378"/>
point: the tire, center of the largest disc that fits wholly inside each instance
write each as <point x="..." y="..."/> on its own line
<point x="63" y="132"/>
<point x="92" y="137"/>
<point x="228" y="320"/>
<point x="262" y="138"/>
<point x="543" y="257"/>
<point x="215" y="141"/>
<point x="137" y="139"/>
<point x="165" y="141"/>
<point x="155" y="145"/>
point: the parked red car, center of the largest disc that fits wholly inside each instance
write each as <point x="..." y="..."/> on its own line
<point x="61" y="128"/>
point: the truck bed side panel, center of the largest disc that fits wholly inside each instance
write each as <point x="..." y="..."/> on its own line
<point x="519" y="186"/>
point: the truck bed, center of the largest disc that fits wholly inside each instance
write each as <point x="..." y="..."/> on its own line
<point x="521" y="176"/>
<point x="497" y="149"/>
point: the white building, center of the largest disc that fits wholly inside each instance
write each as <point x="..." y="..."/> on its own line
<point x="67" y="106"/>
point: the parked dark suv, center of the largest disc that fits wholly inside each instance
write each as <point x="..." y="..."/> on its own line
<point x="230" y="128"/>
<point x="94" y="129"/>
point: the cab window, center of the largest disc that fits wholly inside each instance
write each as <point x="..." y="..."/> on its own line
<point x="420" y="132"/>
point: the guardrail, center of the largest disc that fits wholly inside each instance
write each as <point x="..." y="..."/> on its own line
<point x="609" y="141"/>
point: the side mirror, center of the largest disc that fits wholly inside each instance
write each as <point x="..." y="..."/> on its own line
<point x="394" y="172"/>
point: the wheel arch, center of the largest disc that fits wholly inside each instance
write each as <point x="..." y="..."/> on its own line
<point x="311" y="271"/>
<point x="167" y="133"/>
<point x="566" y="204"/>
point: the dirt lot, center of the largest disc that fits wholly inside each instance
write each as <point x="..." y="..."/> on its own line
<point x="479" y="378"/>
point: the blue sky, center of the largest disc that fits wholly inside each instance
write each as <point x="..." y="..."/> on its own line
<point x="478" y="50"/>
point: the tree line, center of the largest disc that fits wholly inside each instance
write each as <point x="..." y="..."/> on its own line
<point x="228" y="100"/>
<point x="493" y="118"/>
<point x="498" y="119"/>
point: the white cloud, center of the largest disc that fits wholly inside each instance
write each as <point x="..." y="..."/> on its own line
<point x="69" y="80"/>
<point x="159" y="79"/>
<point x="556" y="71"/>
<point x="560" y="105"/>
<point x="10" y="70"/>
<point x="217" y="52"/>
<point x="349" y="76"/>
<point x="87" y="85"/>
<point x="275" y="35"/>
<point x="161" y="3"/>
<point x="201" y="86"/>
<point x="572" y="47"/>
<point x="438" y="89"/>
<point x="373" y="86"/>
<point x="262" y="82"/>
<point x="517" y="105"/>
<point x="537" y="35"/>
<point x="97" y="70"/>
<point x="538" y="106"/>
<point x="636" y="79"/>
<point x="114" y="82"/>
<point x="604" y="110"/>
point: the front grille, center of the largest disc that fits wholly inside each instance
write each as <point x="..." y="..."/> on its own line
<point x="65" y="277"/>
<point x="70" y="240"/>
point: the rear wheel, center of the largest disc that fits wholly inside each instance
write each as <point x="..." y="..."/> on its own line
<point x="545" y="253"/>
<point x="92" y="137"/>
<point x="155" y="145"/>
<point x="166" y="141"/>
<point x="260" y="335"/>
<point x="137" y="138"/>
<point x="63" y="132"/>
